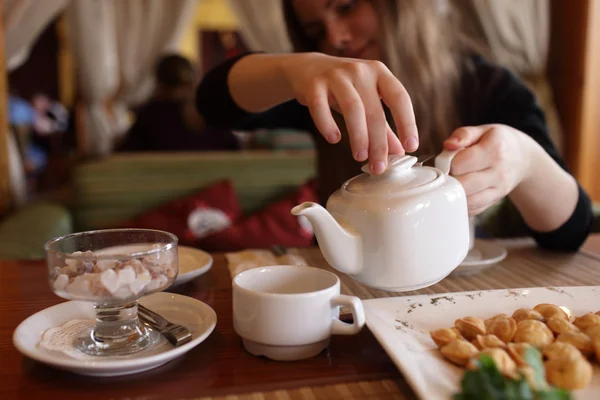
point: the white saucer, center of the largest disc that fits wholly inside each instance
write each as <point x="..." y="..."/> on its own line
<point x="194" y="314"/>
<point x="192" y="263"/>
<point x="484" y="254"/>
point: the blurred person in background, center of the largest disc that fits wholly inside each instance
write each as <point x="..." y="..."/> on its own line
<point x="169" y="121"/>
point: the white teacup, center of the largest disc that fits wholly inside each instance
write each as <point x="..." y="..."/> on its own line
<point x="287" y="312"/>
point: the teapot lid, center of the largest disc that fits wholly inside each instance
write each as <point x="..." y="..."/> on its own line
<point x="399" y="176"/>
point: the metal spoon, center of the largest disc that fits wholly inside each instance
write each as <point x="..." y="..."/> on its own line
<point x="176" y="334"/>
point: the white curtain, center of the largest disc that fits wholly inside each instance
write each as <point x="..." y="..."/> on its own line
<point x="518" y="35"/>
<point x="262" y="25"/>
<point x="146" y="30"/>
<point x="517" y="31"/>
<point x="24" y="21"/>
<point x="93" y="35"/>
<point x="116" y="44"/>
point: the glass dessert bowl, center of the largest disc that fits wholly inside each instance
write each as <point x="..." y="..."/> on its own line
<point x="113" y="268"/>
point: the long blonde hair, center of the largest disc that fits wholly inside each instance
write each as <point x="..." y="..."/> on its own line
<point x="426" y="50"/>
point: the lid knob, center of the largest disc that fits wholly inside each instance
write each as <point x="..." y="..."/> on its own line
<point x="396" y="163"/>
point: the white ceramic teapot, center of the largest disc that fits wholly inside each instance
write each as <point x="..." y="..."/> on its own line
<point x="405" y="229"/>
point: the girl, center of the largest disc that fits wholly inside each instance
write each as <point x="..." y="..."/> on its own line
<point x="379" y="77"/>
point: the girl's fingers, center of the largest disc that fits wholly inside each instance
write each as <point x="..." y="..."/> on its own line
<point x="470" y="160"/>
<point x="482" y="199"/>
<point x="318" y="105"/>
<point x="394" y="145"/>
<point x="353" y="110"/>
<point x="397" y="99"/>
<point x="376" y="126"/>
<point x="476" y="182"/>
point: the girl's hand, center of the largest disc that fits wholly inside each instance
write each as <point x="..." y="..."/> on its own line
<point x="495" y="160"/>
<point x="355" y="88"/>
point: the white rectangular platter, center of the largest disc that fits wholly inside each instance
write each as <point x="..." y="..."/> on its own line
<point x="402" y="326"/>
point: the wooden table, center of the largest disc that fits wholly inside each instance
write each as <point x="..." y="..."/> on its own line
<point x="354" y="367"/>
<point x="592" y="246"/>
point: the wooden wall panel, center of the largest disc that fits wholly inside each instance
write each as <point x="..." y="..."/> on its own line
<point x="65" y="64"/>
<point x="4" y="173"/>
<point x="574" y="72"/>
<point x="589" y="140"/>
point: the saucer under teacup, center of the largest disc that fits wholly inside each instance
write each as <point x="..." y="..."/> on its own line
<point x="285" y="353"/>
<point x="484" y="254"/>
<point x="194" y="314"/>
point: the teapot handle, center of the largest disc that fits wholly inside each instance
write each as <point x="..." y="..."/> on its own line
<point x="444" y="160"/>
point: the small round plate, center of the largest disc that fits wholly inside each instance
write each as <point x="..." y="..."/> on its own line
<point x="194" y="314"/>
<point x="484" y="254"/>
<point x="192" y="263"/>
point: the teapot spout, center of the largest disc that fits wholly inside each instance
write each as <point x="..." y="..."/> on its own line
<point x="341" y="247"/>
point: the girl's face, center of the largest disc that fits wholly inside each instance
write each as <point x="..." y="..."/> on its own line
<point x="346" y="28"/>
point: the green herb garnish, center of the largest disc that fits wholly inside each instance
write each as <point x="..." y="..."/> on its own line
<point x="487" y="383"/>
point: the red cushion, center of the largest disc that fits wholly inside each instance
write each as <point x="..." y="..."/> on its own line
<point x="193" y="217"/>
<point x="273" y="225"/>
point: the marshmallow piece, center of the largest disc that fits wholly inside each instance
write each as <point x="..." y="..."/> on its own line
<point x="154" y="257"/>
<point x="103" y="265"/>
<point x="69" y="269"/>
<point x="157" y="283"/>
<point x="71" y="263"/>
<point x="80" y="287"/>
<point x="75" y="263"/>
<point x="166" y="257"/>
<point x="163" y="258"/>
<point x="123" y="292"/>
<point x="137" y="286"/>
<point x="140" y="283"/>
<point x="61" y="282"/>
<point x="86" y="266"/>
<point x="151" y="259"/>
<point x="162" y="281"/>
<point x="110" y="280"/>
<point x="152" y="286"/>
<point x="171" y="272"/>
<point x="126" y="276"/>
<point x="136" y="264"/>
<point x="97" y="289"/>
<point x="145" y="276"/>
<point x="155" y="271"/>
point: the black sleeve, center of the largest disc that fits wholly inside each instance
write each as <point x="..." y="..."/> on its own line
<point x="214" y="102"/>
<point x="510" y="102"/>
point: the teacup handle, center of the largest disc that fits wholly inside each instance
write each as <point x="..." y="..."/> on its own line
<point x="443" y="161"/>
<point x="358" y="314"/>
